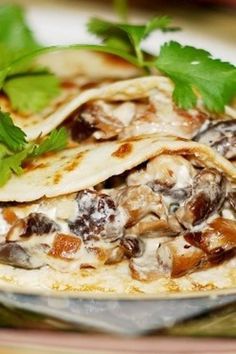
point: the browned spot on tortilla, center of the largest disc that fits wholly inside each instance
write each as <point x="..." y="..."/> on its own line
<point x="57" y="177"/>
<point x="135" y="290"/>
<point x="73" y="164"/>
<point x="123" y="150"/>
<point x="133" y="139"/>
<point x="67" y="84"/>
<point x="86" y="266"/>
<point x="89" y="85"/>
<point x="173" y="286"/>
<point x="203" y="287"/>
<point x="185" y="151"/>
<point x="31" y="166"/>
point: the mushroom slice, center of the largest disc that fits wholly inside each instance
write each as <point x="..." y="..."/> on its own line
<point x="97" y="217"/>
<point x="198" y="250"/>
<point x="16" y="255"/>
<point x="107" y="118"/>
<point x="65" y="246"/>
<point x="208" y="195"/>
<point x="139" y="201"/>
<point x="232" y="199"/>
<point x="132" y="246"/>
<point x="178" y="257"/>
<point x="153" y="227"/>
<point x="221" y="137"/>
<point x="217" y="239"/>
<point x="34" y="224"/>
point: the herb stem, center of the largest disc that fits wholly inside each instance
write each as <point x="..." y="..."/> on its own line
<point x="97" y="48"/>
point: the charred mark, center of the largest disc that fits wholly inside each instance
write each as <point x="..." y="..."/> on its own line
<point x="123" y="150"/>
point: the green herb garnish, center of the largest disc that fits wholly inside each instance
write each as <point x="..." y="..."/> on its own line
<point x="31" y="92"/>
<point x="194" y="73"/>
<point x="193" y="69"/>
<point x="28" y="91"/>
<point x="15" y="150"/>
<point x="129" y="36"/>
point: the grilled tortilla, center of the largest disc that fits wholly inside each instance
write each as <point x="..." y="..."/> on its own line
<point x="148" y="215"/>
<point x="95" y="108"/>
<point x="147" y="107"/>
<point x="129" y="108"/>
<point x="78" y="71"/>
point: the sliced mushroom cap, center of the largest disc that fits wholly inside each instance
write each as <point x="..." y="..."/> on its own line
<point x="151" y="226"/>
<point x="107" y="118"/>
<point x="65" y="246"/>
<point x="115" y="255"/>
<point x="133" y="246"/>
<point x="198" y="250"/>
<point x="164" y="172"/>
<point x="139" y="201"/>
<point x="97" y="216"/>
<point x="208" y="195"/>
<point x="217" y="238"/>
<point x="232" y="199"/>
<point x="34" y="224"/>
<point x="177" y="257"/>
<point x="16" y="255"/>
<point x="169" y="171"/>
<point x="221" y="137"/>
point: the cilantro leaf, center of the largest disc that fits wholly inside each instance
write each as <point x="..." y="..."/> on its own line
<point x="28" y="92"/>
<point x="14" y="150"/>
<point x="11" y="164"/>
<point x="130" y="35"/>
<point x="57" y="140"/>
<point x="31" y="92"/>
<point x="10" y="135"/>
<point x="194" y="70"/>
<point x="14" y="32"/>
<point x="16" y="38"/>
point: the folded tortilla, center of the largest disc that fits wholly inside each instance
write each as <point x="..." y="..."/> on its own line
<point x="78" y="71"/>
<point x="145" y="215"/>
<point x="133" y="107"/>
<point x="96" y="107"/>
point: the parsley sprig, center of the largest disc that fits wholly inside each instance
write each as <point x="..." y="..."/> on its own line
<point x="126" y="36"/>
<point x="30" y="89"/>
<point x="194" y="72"/>
<point x="15" y="150"/>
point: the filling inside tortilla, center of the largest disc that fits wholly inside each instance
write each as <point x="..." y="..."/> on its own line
<point x="167" y="217"/>
<point x="103" y="120"/>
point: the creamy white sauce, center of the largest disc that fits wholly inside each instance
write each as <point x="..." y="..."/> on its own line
<point x="4" y="226"/>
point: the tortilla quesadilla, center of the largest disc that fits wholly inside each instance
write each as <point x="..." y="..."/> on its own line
<point x="145" y="211"/>
<point x="149" y="108"/>
<point x="134" y="107"/>
<point x="76" y="74"/>
<point x="128" y="204"/>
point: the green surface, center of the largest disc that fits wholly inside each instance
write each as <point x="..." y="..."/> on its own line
<point x="220" y="323"/>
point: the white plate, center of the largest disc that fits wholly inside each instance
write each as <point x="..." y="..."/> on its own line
<point x="64" y="22"/>
<point x="60" y="24"/>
